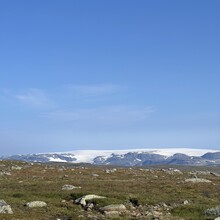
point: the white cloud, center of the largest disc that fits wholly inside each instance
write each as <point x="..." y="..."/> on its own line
<point x="92" y="90"/>
<point x="34" y="98"/>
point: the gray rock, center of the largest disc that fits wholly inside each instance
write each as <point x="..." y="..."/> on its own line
<point x="69" y="187"/>
<point x="4" y="173"/>
<point x="195" y="173"/>
<point x="118" y="207"/>
<point x="186" y="202"/>
<point x="198" y="180"/>
<point x="89" y="206"/>
<point x="157" y="214"/>
<point x="110" y="170"/>
<point x="36" y="204"/>
<point x="82" y="200"/>
<point x="5" y="208"/>
<point x="16" y="168"/>
<point x="112" y="213"/>
<point x="172" y="171"/>
<point x="163" y="204"/>
<point x="215" y="174"/>
<point x="213" y="211"/>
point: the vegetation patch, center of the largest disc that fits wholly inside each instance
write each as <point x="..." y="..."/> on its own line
<point x="145" y="192"/>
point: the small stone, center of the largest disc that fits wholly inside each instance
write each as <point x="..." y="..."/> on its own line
<point x="157" y="214"/>
<point x="163" y="204"/>
<point x="65" y="176"/>
<point x="186" y="202"/>
<point x="89" y="206"/>
<point x="5" y="208"/>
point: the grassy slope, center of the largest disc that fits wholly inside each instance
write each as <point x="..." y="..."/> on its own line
<point x="43" y="182"/>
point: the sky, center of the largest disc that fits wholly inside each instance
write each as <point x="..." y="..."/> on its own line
<point x="109" y="74"/>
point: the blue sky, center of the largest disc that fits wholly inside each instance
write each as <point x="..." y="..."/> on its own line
<point x="109" y="74"/>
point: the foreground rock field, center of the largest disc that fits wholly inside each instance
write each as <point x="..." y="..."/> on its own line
<point x="80" y="191"/>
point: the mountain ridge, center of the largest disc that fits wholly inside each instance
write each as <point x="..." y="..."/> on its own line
<point x="129" y="157"/>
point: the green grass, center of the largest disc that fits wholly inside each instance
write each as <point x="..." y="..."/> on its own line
<point x="44" y="182"/>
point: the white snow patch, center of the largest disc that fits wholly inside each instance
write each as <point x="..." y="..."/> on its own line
<point x="52" y="159"/>
<point x="87" y="156"/>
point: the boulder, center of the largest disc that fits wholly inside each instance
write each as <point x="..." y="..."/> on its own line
<point x="89" y="206"/>
<point x="69" y="187"/>
<point x="213" y="211"/>
<point x="36" y="204"/>
<point x="215" y="174"/>
<point x="118" y="208"/>
<point x="82" y="200"/>
<point x="112" y="213"/>
<point x="5" y="208"/>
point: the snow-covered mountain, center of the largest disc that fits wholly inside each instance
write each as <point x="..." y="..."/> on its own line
<point x="130" y="157"/>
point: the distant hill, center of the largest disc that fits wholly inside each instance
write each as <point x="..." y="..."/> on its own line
<point x="130" y="157"/>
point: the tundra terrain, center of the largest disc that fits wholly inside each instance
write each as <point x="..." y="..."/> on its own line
<point x="82" y="191"/>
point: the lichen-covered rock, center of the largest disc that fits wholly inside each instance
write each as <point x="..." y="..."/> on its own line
<point x="112" y="213"/>
<point x="69" y="187"/>
<point x="36" y="204"/>
<point x="82" y="200"/>
<point x="5" y="208"/>
<point x="213" y="211"/>
<point x="118" y="207"/>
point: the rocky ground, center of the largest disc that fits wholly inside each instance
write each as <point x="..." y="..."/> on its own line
<point x="77" y="191"/>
